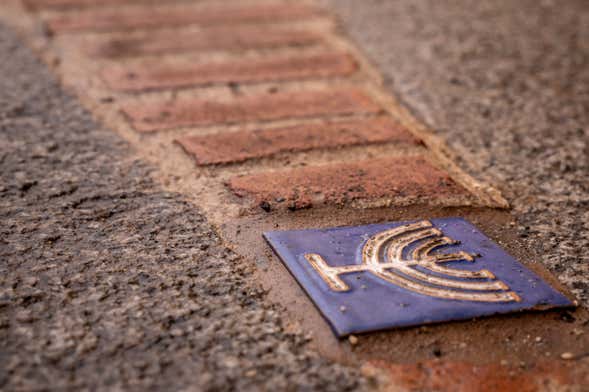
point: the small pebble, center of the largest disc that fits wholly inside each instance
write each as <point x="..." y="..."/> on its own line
<point x="567" y="355"/>
<point x="343" y="309"/>
<point x="353" y="340"/>
<point x="538" y="339"/>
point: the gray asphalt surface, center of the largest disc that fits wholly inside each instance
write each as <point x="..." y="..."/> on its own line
<point x="507" y="84"/>
<point x="107" y="282"/>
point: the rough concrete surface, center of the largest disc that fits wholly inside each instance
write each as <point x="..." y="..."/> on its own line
<point x="507" y="83"/>
<point x="107" y="282"/>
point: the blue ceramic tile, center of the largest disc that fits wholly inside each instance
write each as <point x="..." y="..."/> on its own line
<point x="374" y="277"/>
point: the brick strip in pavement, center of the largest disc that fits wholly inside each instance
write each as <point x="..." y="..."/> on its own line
<point x="64" y="4"/>
<point x="413" y="185"/>
<point x="149" y="117"/>
<point x="412" y="177"/>
<point x="461" y="376"/>
<point x="155" y="75"/>
<point x="108" y="20"/>
<point x="243" y="145"/>
<point x="211" y="38"/>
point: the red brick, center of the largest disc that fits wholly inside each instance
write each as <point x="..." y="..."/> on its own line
<point x="451" y="376"/>
<point x="243" y="145"/>
<point x="155" y="75"/>
<point x="148" y="117"/>
<point x="370" y="180"/>
<point x="212" y="38"/>
<point x="168" y="16"/>
<point x="63" y="4"/>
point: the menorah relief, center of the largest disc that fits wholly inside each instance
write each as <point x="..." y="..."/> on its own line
<point x="394" y="254"/>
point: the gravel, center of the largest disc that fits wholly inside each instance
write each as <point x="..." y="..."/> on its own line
<point x="507" y="84"/>
<point x="106" y="281"/>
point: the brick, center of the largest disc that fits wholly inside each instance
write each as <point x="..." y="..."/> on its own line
<point x="211" y="38"/>
<point x="457" y="376"/>
<point x="167" y="16"/>
<point x="149" y="117"/>
<point x="64" y="4"/>
<point x="155" y="75"/>
<point x="369" y="180"/>
<point x="243" y="145"/>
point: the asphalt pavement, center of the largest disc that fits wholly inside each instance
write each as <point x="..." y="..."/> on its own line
<point x="506" y="83"/>
<point x="109" y="283"/>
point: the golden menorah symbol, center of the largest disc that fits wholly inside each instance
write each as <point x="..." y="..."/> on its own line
<point x="387" y="255"/>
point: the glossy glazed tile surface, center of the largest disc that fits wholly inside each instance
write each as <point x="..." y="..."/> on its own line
<point x="374" y="277"/>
